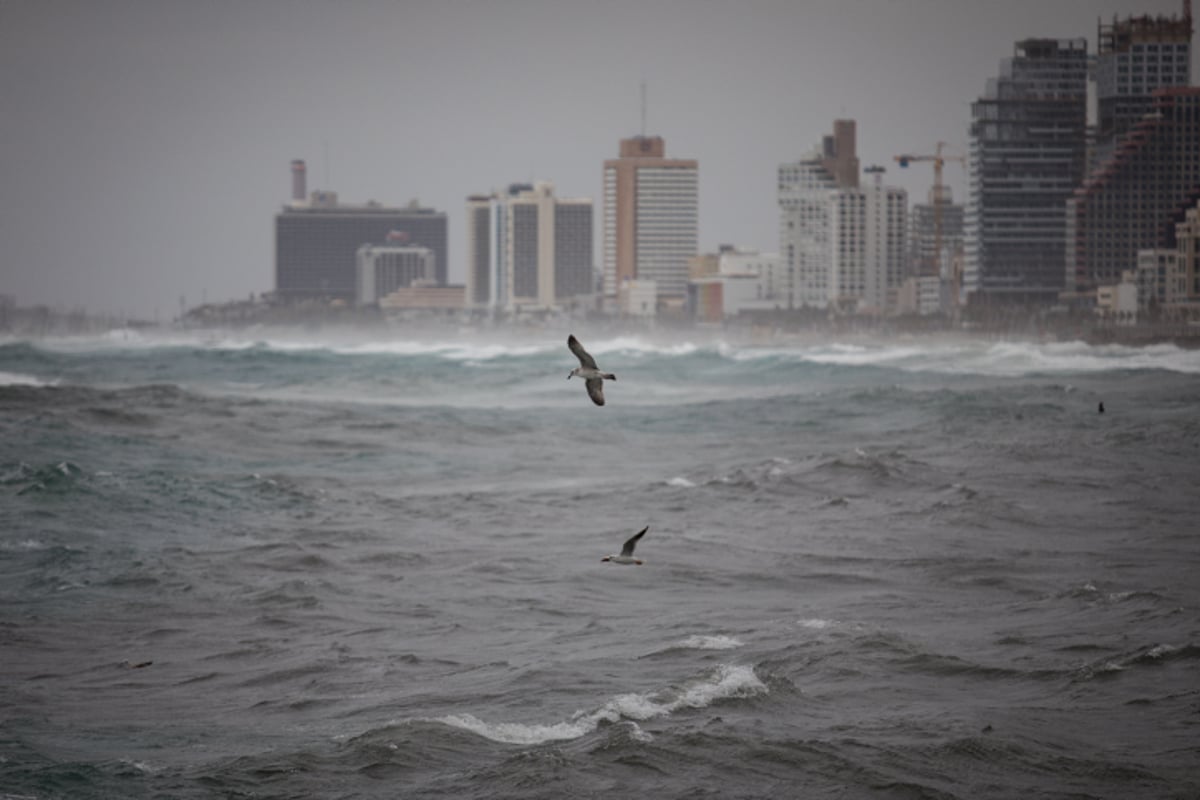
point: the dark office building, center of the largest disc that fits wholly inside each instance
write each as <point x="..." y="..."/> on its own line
<point x="1028" y="154"/>
<point x="316" y="244"/>
<point x="573" y="250"/>
<point x="1135" y="199"/>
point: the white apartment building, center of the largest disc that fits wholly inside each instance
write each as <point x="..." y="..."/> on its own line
<point x="527" y="248"/>
<point x="841" y="244"/>
<point x="1161" y="278"/>
<point x="382" y="269"/>
<point x="805" y="189"/>
<point x="868" y="234"/>
<point x="805" y="216"/>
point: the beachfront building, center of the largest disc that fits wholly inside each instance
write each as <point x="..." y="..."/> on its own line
<point x="1028" y="140"/>
<point x="528" y="249"/>
<point x="651" y="222"/>
<point x="1160" y="281"/>
<point x="868" y="234"/>
<point x="1136" y="56"/>
<point x="1135" y="198"/>
<point x="732" y="281"/>
<point x="1168" y="279"/>
<point x="805" y="190"/>
<point x="384" y="268"/>
<point x="317" y="239"/>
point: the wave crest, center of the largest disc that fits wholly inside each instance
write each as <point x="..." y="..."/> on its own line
<point x="711" y="642"/>
<point x="725" y="682"/>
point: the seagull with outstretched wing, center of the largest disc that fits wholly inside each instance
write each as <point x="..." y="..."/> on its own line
<point x="593" y="378"/>
<point x="626" y="556"/>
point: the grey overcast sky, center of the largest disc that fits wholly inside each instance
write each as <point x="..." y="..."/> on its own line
<point x="145" y="144"/>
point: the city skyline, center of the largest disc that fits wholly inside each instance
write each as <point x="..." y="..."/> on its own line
<point x="146" y="145"/>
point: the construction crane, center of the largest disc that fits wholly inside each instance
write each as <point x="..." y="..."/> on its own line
<point x="939" y="198"/>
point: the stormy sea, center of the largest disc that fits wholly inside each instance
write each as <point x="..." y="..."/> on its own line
<point x="336" y="565"/>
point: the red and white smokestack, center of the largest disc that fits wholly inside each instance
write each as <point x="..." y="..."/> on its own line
<point x="299" y="180"/>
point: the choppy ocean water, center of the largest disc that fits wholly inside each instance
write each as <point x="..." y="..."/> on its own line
<point x="359" y="567"/>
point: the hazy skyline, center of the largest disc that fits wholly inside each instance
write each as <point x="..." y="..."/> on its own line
<point x="145" y="146"/>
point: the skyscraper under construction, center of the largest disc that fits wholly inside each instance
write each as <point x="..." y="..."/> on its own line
<point x="1136" y="56"/>
<point x="1028" y="154"/>
<point x="1146" y="164"/>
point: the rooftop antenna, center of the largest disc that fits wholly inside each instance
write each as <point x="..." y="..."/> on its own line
<point x="326" y="147"/>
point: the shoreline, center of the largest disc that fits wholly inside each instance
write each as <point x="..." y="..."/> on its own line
<point x="765" y="330"/>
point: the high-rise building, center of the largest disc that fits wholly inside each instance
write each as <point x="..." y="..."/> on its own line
<point x="839" y="153"/>
<point x="1028" y="152"/>
<point x="868" y="232"/>
<point x="924" y="260"/>
<point x="528" y="248"/>
<point x="382" y="269"/>
<point x="651" y="219"/>
<point x="1143" y="166"/>
<point x="1136" y="196"/>
<point x="317" y="241"/>
<point x="1134" y="57"/>
<point x="805" y="190"/>
<point x="484" y="244"/>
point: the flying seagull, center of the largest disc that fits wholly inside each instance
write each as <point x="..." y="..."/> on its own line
<point x="593" y="378"/>
<point x="626" y="556"/>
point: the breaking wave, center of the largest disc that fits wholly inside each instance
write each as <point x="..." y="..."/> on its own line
<point x="725" y="682"/>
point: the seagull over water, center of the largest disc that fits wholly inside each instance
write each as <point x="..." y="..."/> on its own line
<point x="593" y="378"/>
<point x="626" y="556"/>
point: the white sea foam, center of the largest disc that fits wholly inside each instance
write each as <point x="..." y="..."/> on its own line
<point x="997" y="358"/>
<point x="815" y="623"/>
<point x="948" y="356"/>
<point x="1161" y="650"/>
<point x="711" y="642"/>
<point x="681" y="482"/>
<point x="725" y="682"/>
<point x="18" y="379"/>
<point x="637" y="733"/>
<point x="637" y="346"/>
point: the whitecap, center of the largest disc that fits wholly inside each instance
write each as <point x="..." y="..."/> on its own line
<point x="20" y="379"/>
<point x="711" y="642"/>
<point x="638" y="734"/>
<point x="726" y="681"/>
<point x="815" y="623"/>
<point x="1160" y="651"/>
<point x="681" y="482"/>
<point x="517" y="733"/>
<point x="1006" y="359"/>
<point x="140" y="766"/>
<point x="731" y="681"/>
